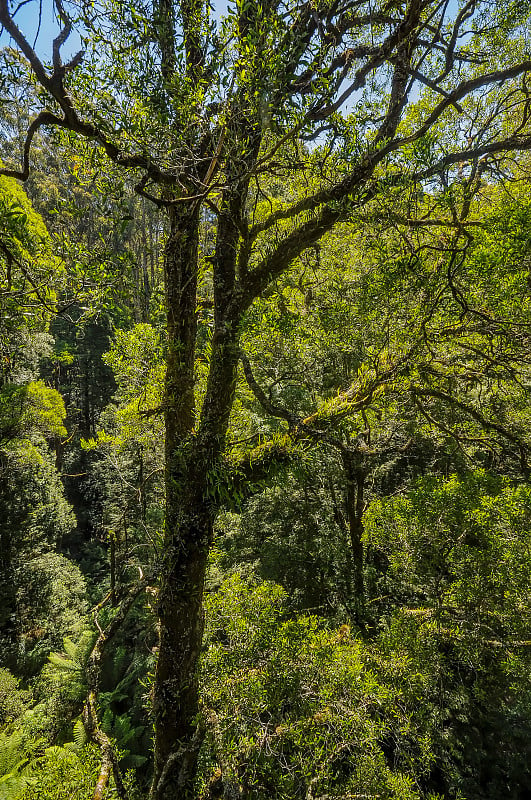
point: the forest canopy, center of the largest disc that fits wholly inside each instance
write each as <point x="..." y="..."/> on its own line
<point x="264" y="399"/>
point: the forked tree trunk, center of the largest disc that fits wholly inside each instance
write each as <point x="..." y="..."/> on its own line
<point x="192" y="459"/>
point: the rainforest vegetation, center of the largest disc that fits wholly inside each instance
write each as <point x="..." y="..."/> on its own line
<point x="265" y="370"/>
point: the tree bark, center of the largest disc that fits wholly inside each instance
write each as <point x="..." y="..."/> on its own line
<point x="181" y="630"/>
<point x="355" y="506"/>
<point x="188" y="524"/>
<point x="193" y="475"/>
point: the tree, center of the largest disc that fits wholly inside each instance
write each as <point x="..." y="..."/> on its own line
<point x="451" y="545"/>
<point x="201" y="115"/>
<point x="437" y="321"/>
<point x="33" y="512"/>
<point x="30" y="277"/>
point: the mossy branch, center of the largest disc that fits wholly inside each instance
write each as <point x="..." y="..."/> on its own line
<point x="109" y="759"/>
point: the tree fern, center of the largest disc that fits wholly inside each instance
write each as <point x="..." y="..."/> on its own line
<point x="75" y="655"/>
<point x="11" y="750"/>
<point x="63" y="663"/>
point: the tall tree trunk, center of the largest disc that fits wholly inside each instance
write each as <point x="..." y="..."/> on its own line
<point x="193" y="456"/>
<point x="187" y="529"/>
<point x="8" y="599"/>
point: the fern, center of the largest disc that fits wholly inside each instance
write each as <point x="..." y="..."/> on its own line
<point x="12" y="786"/>
<point x="75" y="655"/>
<point x="11" y="750"/>
<point x="20" y="775"/>
<point x="62" y="663"/>
<point x="79" y="733"/>
<point x="120" y="691"/>
<point x="119" y="728"/>
<point x="59" y="753"/>
<point x="123" y="730"/>
<point x="120" y="663"/>
<point x="71" y="650"/>
<point x="69" y="660"/>
<point x="107" y="721"/>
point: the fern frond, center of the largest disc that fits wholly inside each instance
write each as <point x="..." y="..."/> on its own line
<point x="123" y="730"/>
<point x="63" y="663"/>
<point x="120" y="664"/>
<point x="12" y="786"/>
<point x="107" y="722"/>
<point x="71" y="649"/>
<point x="79" y="733"/>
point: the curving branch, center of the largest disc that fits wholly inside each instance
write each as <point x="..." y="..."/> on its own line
<point x="61" y="38"/>
<point x="44" y="118"/>
<point x="265" y="402"/>
<point x="363" y="168"/>
<point x="54" y="85"/>
<point x="489" y="425"/>
<point x="109" y="760"/>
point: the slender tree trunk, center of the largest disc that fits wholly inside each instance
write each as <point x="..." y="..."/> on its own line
<point x="8" y="600"/>
<point x="355" y="506"/>
<point x="85" y="378"/>
<point x="112" y="557"/>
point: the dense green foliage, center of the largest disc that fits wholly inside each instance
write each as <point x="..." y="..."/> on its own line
<point x="426" y="696"/>
<point x="367" y="604"/>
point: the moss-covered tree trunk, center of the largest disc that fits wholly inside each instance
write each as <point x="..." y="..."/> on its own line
<point x="188" y="523"/>
<point x="194" y="446"/>
<point x="8" y="600"/>
<point x="188" y="526"/>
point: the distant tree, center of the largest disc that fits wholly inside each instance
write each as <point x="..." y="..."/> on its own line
<point x="30" y="277"/>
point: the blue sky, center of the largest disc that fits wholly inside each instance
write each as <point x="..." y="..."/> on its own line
<point x="28" y="21"/>
<point x="28" y="18"/>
